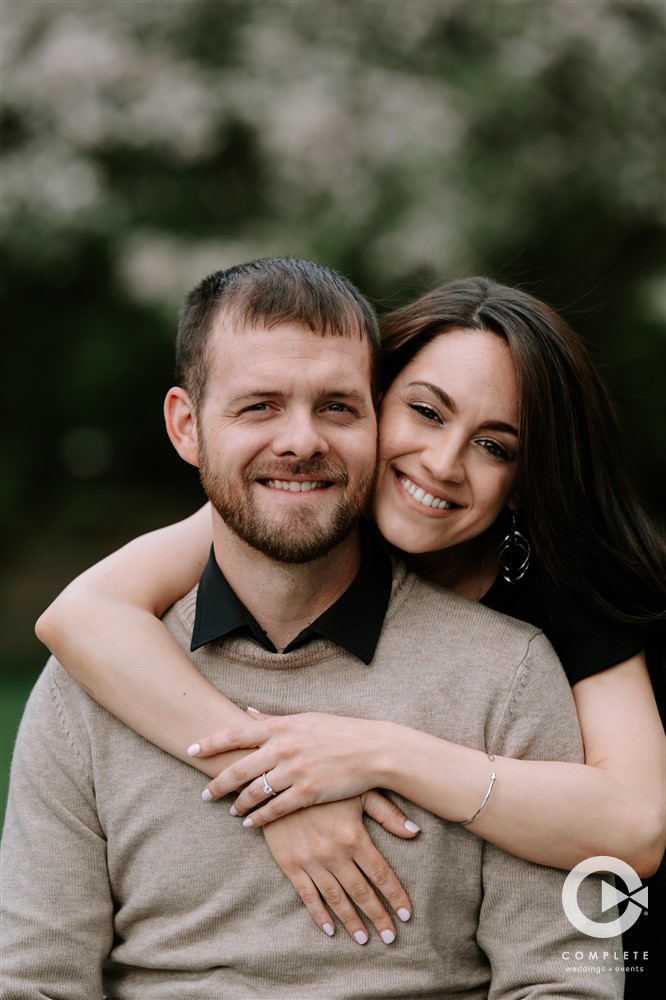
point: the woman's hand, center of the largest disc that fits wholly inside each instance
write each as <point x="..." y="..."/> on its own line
<point x="328" y="855"/>
<point x="306" y="759"/>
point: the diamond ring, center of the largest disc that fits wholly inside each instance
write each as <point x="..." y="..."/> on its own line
<point x="267" y="790"/>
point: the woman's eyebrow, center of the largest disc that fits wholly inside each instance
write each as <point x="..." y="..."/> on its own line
<point x="499" y="425"/>
<point x="449" y="403"/>
<point x="441" y="395"/>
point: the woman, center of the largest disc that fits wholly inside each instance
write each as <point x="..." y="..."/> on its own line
<point x="492" y="409"/>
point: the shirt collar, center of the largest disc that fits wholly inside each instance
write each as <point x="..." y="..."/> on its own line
<point x="354" y="621"/>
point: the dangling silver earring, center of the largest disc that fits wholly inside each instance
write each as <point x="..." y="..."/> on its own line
<point x="514" y="554"/>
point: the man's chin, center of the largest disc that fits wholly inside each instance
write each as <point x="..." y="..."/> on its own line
<point x="290" y="551"/>
<point x="293" y="541"/>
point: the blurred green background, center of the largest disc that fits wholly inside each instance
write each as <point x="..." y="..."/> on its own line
<point x="401" y="141"/>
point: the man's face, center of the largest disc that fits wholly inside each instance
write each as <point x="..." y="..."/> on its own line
<point x="287" y="437"/>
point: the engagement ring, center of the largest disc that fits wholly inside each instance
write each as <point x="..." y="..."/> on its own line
<point x="267" y="788"/>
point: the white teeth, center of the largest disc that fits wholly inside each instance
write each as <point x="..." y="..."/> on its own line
<point x="292" y="486"/>
<point x="427" y="499"/>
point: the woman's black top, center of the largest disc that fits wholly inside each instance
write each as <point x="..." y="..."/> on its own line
<point x="585" y="641"/>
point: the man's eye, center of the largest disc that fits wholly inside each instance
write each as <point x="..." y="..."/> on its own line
<point x="257" y="408"/>
<point x="426" y="411"/>
<point x="338" y="408"/>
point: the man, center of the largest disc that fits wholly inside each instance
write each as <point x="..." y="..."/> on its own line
<point x="116" y="880"/>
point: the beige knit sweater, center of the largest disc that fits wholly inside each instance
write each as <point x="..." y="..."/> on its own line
<point x="120" y="879"/>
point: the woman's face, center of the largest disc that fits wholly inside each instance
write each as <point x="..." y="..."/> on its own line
<point x="448" y="443"/>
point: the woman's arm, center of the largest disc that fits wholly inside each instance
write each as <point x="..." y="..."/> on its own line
<point x="553" y="813"/>
<point x="105" y="630"/>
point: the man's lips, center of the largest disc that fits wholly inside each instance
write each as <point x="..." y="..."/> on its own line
<point x="297" y="477"/>
<point x="424" y="496"/>
<point x="296" y="485"/>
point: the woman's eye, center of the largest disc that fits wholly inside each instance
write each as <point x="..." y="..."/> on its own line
<point x="426" y="411"/>
<point x="494" y="448"/>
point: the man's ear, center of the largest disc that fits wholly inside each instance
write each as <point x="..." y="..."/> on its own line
<point x="181" y="424"/>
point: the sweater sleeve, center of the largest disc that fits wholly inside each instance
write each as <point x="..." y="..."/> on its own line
<point x="57" y="906"/>
<point x="522" y="926"/>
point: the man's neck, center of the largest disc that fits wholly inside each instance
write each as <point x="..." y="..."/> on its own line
<point x="284" y="597"/>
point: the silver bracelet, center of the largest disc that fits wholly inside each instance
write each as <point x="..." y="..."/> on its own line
<point x="493" y="779"/>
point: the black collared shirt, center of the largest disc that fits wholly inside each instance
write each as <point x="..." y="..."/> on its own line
<point x="353" y="622"/>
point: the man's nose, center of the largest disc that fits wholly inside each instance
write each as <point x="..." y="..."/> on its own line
<point x="300" y="436"/>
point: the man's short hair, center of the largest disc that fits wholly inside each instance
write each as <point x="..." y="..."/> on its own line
<point x="268" y="293"/>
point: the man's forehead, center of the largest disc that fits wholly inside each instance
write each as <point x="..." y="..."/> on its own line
<point x="245" y="342"/>
<point x="273" y="361"/>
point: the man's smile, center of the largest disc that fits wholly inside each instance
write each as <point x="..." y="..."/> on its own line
<point x="294" y="485"/>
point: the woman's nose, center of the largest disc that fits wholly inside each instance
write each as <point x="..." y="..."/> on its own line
<point x="444" y="461"/>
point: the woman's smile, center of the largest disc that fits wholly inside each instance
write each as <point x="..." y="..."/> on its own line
<point x="425" y="496"/>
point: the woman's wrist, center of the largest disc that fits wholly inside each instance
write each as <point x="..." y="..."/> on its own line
<point x="382" y="759"/>
<point x="442" y="777"/>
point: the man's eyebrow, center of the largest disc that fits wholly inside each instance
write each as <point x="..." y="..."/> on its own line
<point x="259" y="394"/>
<point x="449" y="403"/>
<point x="245" y="394"/>
<point x="352" y="394"/>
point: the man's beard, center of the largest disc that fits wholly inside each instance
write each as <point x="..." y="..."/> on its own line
<point x="292" y="535"/>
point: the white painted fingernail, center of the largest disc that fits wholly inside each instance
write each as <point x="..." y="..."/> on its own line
<point x="412" y="827"/>
<point x="194" y="750"/>
<point x="361" y="937"/>
<point x="233" y="811"/>
<point x="328" y="929"/>
<point x="248" y="821"/>
<point x="403" y="914"/>
<point x="387" y="937"/>
<point x="206" y="795"/>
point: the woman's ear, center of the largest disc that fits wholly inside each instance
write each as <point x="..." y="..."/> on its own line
<point x="181" y="424"/>
<point x="514" y="503"/>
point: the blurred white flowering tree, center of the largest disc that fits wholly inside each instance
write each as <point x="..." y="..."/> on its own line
<point x="146" y="143"/>
<point x="400" y="135"/>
